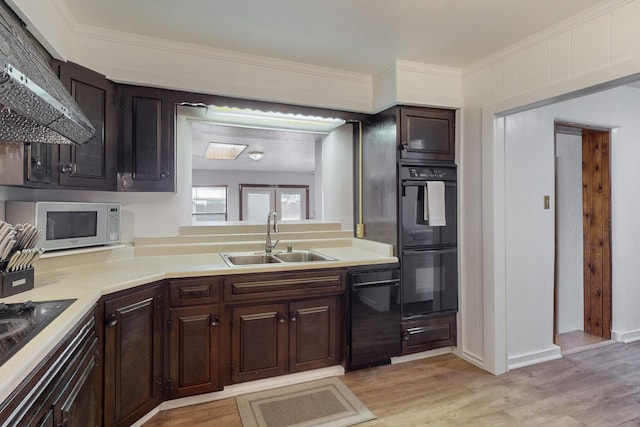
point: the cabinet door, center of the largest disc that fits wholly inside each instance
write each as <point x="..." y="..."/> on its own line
<point x="193" y="350"/>
<point x="40" y="159"/>
<point x="93" y="164"/>
<point x="258" y="342"/>
<point x="147" y="146"/>
<point x="427" y="134"/>
<point x="313" y="333"/>
<point x="429" y="333"/>
<point x="82" y="405"/>
<point x="133" y="355"/>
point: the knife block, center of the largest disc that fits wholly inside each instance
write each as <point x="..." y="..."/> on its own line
<point x="15" y="282"/>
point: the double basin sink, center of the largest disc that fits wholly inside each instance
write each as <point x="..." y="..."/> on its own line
<point x="257" y="258"/>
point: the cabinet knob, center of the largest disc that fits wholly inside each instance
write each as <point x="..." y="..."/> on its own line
<point x="112" y="320"/>
<point x="293" y="317"/>
<point x="406" y="335"/>
<point x="282" y="318"/>
<point x="404" y="146"/>
<point x="66" y="169"/>
<point x="165" y="174"/>
<point x="214" y="320"/>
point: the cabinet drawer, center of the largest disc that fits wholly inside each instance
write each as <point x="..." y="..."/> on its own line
<point x="196" y="291"/>
<point x="279" y="285"/>
<point x="430" y="333"/>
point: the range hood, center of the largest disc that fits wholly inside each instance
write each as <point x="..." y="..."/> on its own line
<point x="34" y="104"/>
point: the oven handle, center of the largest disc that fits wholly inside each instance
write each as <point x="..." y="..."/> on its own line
<point x="423" y="183"/>
<point x="431" y="251"/>
<point x="393" y="283"/>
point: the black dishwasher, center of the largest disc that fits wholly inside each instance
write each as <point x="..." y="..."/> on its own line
<point x="374" y="320"/>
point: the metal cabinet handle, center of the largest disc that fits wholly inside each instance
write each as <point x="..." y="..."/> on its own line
<point x="66" y="169"/>
<point x="112" y="320"/>
<point x="214" y="320"/>
<point x="165" y="175"/>
<point x="293" y="317"/>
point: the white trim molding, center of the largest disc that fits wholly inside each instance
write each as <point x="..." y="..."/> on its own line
<point x="523" y="360"/>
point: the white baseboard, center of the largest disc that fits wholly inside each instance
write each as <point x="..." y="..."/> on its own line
<point x="523" y="360"/>
<point x="243" y="388"/>
<point x="625" y="336"/>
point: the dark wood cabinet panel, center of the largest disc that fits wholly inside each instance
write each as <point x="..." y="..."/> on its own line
<point x="193" y="350"/>
<point x="93" y="164"/>
<point x="429" y="333"/>
<point x="283" y="285"/>
<point x="147" y="147"/>
<point x="258" y="342"/>
<point x="194" y="291"/>
<point x="313" y="333"/>
<point x="133" y="354"/>
<point x="427" y="134"/>
<point x="80" y="404"/>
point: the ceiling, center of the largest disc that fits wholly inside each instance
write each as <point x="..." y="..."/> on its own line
<point x="364" y="36"/>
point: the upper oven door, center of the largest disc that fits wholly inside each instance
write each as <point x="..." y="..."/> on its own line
<point x="416" y="231"/>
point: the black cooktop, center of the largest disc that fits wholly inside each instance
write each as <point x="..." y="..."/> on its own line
<point x="20" y="322"/>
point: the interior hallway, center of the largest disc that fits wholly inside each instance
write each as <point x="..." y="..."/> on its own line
<point x="599" y="387"/>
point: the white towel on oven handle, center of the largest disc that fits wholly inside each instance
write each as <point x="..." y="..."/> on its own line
<point x="434" y="208"/>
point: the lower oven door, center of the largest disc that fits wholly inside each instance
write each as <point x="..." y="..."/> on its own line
<point x="374" y="318"/>
<point x="429" y="282"/>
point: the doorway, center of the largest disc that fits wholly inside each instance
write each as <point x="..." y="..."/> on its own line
<point x="583" y="237"/>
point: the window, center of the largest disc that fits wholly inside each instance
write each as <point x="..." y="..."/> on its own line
<point x="209" y="203"/>
<point x="289" y="201"/>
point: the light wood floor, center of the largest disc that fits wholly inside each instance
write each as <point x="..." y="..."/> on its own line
<point x="599" y="387"/>
<point x="574" y="340"/>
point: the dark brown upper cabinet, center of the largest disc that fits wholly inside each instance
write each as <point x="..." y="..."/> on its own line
<point x="147" y="140"/>
<point x="427" y="134"/>
<point x="92" y="165"/>
<point x="89" y="166"/>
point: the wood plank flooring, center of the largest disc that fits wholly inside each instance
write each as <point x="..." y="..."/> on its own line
<point x="575" y="340"/>
<point x="599" y="387"/>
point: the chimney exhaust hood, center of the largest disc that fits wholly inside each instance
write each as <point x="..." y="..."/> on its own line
<point x="34" y="104"/>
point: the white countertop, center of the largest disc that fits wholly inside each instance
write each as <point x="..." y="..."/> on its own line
<point x="88" y="282"/>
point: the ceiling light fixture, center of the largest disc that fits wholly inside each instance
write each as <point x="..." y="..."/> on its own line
<point x="222" y="151"/>
<point x="255" y="155"/>
<point x="232" y="116"/>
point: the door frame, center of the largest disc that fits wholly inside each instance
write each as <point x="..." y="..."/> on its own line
<point x="606" y="292"/>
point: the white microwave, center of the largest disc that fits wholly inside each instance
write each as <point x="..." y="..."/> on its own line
<point x="67" y="225"/>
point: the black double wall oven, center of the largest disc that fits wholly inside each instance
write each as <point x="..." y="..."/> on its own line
<point x="428" y="240"/>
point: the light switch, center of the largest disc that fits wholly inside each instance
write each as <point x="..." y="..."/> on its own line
<point x="546" y="202"/>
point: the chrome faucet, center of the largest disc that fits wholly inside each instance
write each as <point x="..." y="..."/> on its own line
<point x="268" y="247"/>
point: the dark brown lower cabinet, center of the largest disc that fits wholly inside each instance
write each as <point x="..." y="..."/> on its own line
<point x="279" y="338"/>
<point x="133" y="354"/>
<point x="193" y="350"/>
<point x="66" y="388"/>
<point x="313" y="333"/>
<point x="429" y="333"/>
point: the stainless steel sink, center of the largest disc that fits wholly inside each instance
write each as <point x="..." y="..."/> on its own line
<point x="258" y="258"/>
<point x="249" y="259"/>
<point x="302" y="256"/>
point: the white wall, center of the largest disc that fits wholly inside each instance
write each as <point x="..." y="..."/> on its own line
<point x="530" y="229"/>
<point x="569" y="240"/>
<point x="233" y="179"/>
<point x="337" y="177"/>
<point x="591" y="49"/>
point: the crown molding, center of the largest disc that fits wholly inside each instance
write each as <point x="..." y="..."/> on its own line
<point x="431" y="69"/>
<point x="119" y="37"/>
<point x="545" y="35"/>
